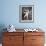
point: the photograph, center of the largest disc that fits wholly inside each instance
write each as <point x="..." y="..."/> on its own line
<point x="26" y="13"/>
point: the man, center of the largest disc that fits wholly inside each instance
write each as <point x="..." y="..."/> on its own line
<point x="26" y="12"/>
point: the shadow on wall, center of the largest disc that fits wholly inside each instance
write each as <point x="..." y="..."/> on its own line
<point x="2" y="26"/>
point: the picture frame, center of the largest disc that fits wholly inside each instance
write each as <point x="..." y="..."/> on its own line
<point x="26" y="13"/>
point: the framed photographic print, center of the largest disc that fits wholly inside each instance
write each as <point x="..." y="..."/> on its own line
<point x="26" y="13"/>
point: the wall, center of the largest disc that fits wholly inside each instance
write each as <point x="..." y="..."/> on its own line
<point x="9" y="13"/>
